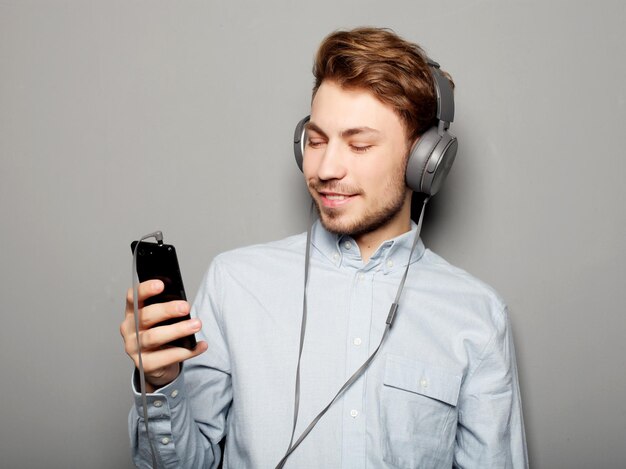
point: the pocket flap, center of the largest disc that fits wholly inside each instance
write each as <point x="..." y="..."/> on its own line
<point x="421" y="378"/>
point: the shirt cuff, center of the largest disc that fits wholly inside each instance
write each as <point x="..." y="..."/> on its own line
<point x="162" y="400"/>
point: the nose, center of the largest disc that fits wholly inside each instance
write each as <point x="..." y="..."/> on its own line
<point x="332" y="164"/>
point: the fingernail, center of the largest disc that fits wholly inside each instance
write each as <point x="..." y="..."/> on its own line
<point x="156" y="285"/>
<point x="194" y="324"/>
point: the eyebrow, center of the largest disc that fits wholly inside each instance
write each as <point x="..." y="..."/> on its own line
<point x="344" y="133"/>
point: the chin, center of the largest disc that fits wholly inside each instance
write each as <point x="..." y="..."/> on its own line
<point x="349" y="227"/>
<point x="336" y="223"/>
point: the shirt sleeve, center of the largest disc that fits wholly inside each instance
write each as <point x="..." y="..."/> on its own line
<point x="187" y="417"/>
<point x="490" y="430"/>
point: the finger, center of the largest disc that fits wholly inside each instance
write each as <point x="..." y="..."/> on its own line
<point x="158" y="359"/>
<point x="159" y="312"/>
<point x="162" y="335"/>
<point x="154" y="314"/>
<point x="145" y="290"/>
<point x="156" y="338"/>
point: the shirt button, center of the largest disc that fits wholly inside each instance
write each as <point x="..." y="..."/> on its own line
<point x="165" y="441"/>
<point x="157" y="403"/>
<point x="424" y="383"/>
<point x="335" y="256"/>
<point x="174" y="393"/>
<point x="357" y="341"/>
<point x="354" y="413"/>
<point x="360" y="276"/>
<point x="389" y="263"/>
<point x="347" y="245"/>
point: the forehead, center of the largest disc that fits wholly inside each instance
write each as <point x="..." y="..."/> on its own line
<point x="335" y="109"/>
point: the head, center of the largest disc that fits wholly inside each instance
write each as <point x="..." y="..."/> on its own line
<point x="373" y="98"/>
<point x="392" y="69"/>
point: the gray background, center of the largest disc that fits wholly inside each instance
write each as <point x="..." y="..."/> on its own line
<point x="118" y="118"/>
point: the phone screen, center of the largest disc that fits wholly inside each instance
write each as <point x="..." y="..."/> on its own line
<point x="159" y="262"/>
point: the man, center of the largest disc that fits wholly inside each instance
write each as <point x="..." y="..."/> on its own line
<point x="443" y="389"/>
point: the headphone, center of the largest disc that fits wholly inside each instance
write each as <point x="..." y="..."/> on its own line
<point x="432" y="154"/>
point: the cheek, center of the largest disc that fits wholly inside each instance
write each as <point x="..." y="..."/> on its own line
<point x="389" y="179"/>
<point x="309" y="167"/>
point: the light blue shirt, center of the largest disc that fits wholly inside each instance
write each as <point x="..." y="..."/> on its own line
<point x="442" y="392"/>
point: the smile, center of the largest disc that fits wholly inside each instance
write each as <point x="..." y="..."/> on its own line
<point x="335" y="200"/>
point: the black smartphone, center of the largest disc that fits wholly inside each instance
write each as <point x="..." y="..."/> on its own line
<point x="159" y="262"/>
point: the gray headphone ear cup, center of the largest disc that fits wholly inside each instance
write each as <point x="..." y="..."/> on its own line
<point x="420" y="153"/>
<point x="430" y="161"/>
<point x="299" y="140"/>
<point x="439" y="164"/>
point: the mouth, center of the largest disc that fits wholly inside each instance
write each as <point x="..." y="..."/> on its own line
<point x="332" y="195"/>
<point x="334" y="200"/>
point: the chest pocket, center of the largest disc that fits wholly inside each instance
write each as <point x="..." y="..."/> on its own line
<point x="418" y="413"/>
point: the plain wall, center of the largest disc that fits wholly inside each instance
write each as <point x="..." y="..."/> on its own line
<point x="118" y="118"/>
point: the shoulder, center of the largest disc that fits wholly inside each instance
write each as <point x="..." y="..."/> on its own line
<point x="271" y="251"/>
<point x="259" y="260"/>
<point x="256" y="269"/>
<point x="456" y="277"/>
<point x="461" y="290"/>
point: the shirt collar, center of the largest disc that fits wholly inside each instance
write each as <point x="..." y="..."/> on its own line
<point x="343" y="251"/>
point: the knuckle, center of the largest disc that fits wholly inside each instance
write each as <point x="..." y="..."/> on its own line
<point x="146" y="339"/>
<point x="130" y="351"/>
<point x="148" y="364"/>
<point x="144" y="322"/>
<point x="149" y="315"/>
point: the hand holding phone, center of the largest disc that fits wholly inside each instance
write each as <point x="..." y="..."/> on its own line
<point x="159" y="262"/>
<point x="166" y="332"/>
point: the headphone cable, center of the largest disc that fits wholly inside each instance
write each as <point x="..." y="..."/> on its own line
<point x="142" y="378"/>
<point x="357" y="374"/>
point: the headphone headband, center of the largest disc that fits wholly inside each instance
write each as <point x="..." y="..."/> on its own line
<point x="445" y="94"/>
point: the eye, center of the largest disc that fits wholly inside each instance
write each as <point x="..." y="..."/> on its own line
<point x="360" y="148"/>
<point x="315" y="142"/>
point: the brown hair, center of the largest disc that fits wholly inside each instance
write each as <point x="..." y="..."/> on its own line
<point x="392" y="69"/>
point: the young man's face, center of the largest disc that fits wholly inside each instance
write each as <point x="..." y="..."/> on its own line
<point x="354" y="163"/>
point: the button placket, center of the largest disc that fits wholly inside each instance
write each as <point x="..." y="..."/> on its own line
<point x="360" y="317"/>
